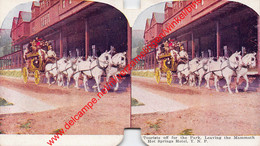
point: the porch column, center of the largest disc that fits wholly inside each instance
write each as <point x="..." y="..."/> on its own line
<point x="218" y="39"/>
<point x="258" y="52"/>
<point x="154" y="59"/>
<point x="129" y="44"/>
<point x="86" y="39"/>
<point x="21" y="56"/>
<point x="192" y="45"/>
<point x="61" y="44"/>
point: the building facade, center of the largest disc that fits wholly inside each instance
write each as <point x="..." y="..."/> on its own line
<point x="69" y="25"/>
<point x="213" y="28"/>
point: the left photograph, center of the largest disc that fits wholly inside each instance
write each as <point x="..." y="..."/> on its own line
<point x="60" y="62"/>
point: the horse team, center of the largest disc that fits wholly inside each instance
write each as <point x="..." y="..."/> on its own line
<point x="93" y="67"/>
<point x="199" y="68"/>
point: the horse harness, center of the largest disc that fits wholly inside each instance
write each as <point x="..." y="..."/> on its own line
<point x="228" y="65"/>
<point x="56" y="67"/>
<point x="98" y="65"/>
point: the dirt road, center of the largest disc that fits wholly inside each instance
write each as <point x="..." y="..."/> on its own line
<point x="109" y="116"/>
<point x="209" y="112"/>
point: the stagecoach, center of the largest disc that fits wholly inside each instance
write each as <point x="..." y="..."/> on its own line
<point x="168" y="60"/>
<point x="36" y="60"/>
<point x="34" y="65"/>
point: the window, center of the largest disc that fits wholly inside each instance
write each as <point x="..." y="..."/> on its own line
<point x="180" y="4"/>
<point x="70" y="1"/>
<point x="33" y="25"/>
<point x="48" y="18"/>
<point x="45" y="20"/>
<point x="174" y="7"/>
<point x="63" y="3"/>
<point x="42" y="22"/>
<point x="202" y="2"/>
<point x="47" y="3"/>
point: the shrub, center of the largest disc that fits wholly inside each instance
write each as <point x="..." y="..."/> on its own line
<point x="135" y="102"/>
<point x="186" y="132"/>
<point x="3" y="102"/>
<point x="149" y="74"/>
<point x="12" y="73"/>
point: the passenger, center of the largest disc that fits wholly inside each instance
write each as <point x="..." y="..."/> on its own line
<point x="166" y="46"/>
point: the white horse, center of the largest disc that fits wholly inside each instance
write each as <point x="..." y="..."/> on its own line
<point x="93" y="69"/>
<point x="225" y="69"/>
<point x="67" y="70"/>
<point x="184" y="70"/>
<point x="248" y="61"/>
<point x="202" y="69"/>
<point x="51" y="70"/>
<point x="194" y="63"/>
<point x="118" y="63"/>
<point x="51" y="54"/>
<point x="209" y="72"/>
<point x="183" y="55"/>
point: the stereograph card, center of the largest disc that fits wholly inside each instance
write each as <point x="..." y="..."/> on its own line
<point x="75" y="72"/>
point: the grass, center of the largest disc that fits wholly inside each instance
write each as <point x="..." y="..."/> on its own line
<point x="155" y="125"/>
<point x="3" y="102"/>
<point x="56" y="131"/>
<point x="148" y="74"/>
<point x="11" y="73"/>
<point x="135" y="102"/>
<point x="186" y="132"/>
<point x="26" y="125"/>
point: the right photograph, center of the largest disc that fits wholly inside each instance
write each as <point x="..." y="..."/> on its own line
<point x="198" y="70"/>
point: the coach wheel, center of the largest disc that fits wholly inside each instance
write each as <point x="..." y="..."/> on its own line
<point x="25" y="75"/>
<point x="169" y="77"/>
<point x="37" y="77"/>
<point x="157" y="75"/>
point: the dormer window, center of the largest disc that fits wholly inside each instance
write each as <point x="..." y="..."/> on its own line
<point x="174" y="6"/>
<point x="48" y="3"/>
<point x="63" y="3"/>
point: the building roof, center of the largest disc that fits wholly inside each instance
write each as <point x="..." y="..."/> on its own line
<point x="168" y="4"/>
<point x="26" y="16"/>
<point x="149" y="21"/>
<point x="159" y="17"/>
<point x="15" y="20"/>
<point x="35" y="3"/>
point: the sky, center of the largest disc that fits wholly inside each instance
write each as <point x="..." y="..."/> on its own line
<point x="141" y="19"/>
<point x="7" y="23"/>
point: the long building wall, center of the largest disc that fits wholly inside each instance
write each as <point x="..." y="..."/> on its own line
<point x="70" y="26"/>
<point x="209" y="29"/>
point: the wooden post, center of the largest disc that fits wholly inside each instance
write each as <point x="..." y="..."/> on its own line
<point x="129" y="44"/>
<point x="192" y="45"/>
<point x="61" y="44"/>
<point x="21" y="54"/>
<point x="86" y="39"/>
<point x="258" y="52"/>
<point x="218" y="39"/>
